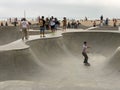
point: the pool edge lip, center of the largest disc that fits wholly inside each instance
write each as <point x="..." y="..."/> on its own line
<point x="14" y="46"/>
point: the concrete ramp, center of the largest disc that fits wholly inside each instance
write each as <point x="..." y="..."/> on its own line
<point x="9" y="34"/>
<point x="56" y="63"/>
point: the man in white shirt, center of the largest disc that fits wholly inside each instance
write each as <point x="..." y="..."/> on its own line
<point x="84" y="53"/>
<point x="24" y="26"/>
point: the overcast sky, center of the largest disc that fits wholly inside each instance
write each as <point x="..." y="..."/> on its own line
<point x="60" y="8"/>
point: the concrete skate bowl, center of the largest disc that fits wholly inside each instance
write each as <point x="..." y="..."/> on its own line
<point x="9" y="34"/>
<point x="57" y="64"/>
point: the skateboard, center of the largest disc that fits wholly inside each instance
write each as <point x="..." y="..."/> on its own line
<point x="87" y="64"/>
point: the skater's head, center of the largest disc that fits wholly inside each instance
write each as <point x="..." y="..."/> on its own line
<point x="23" y="19"/>
<point x="42" y="17"/>
<point x="85" y="42"/>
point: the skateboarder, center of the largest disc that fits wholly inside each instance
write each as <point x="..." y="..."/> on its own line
<point x="84" y="53"/>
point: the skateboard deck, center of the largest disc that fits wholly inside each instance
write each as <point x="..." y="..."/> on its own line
<point x="87" y="64"/>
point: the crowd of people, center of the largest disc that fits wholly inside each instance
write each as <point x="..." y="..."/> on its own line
<point x="105" y="22"/>
<point x="65" y="22"/>
<point x="50" y="24"/>
<point x="53" y="24"/>
<point x="44" y="24"/>
<point x="74" y="24"/>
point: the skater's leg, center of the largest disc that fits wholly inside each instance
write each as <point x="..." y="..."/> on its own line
<point x="85" y="57"/>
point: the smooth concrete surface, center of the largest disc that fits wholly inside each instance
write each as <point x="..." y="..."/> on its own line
<point x="9" y="34"/>
<point x="56" y="63"/>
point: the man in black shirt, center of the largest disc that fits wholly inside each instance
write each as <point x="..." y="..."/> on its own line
<point x="42" y="26"/>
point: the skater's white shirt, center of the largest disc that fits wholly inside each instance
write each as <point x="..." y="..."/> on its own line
<point x="84" y="48"/>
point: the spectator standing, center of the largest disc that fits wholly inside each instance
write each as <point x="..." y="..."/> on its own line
<point x="64" y="23"/>
<point x="47" y="24"/>
<point x="101" y="20"/>
<point x="24" y="26"/>
<point x="42" y="27"/>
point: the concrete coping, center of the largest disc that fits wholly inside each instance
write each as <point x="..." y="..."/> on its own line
<point x="16" y="45"/>
<point x="21" y="45"/>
